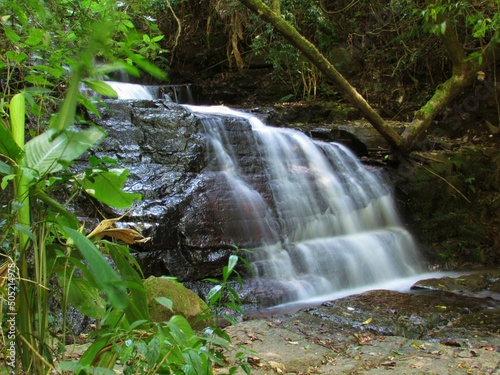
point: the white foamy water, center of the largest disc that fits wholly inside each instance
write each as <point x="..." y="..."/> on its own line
<point x="331" y="225"/>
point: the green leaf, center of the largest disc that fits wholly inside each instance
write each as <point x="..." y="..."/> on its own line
<point x="183" y="325"/>
<point x="5" y="169"/>
<point x="101" y="88"/>
<point x="17" y="112"/>
<point x="128" y="24"/>
<point x="129" y="270"/>
<point x="153" y="353"/>
<point x="56" y="72"/>
<point x="39" y="80"/>
<point x="106" y="278"/>
<point x="35" y="36"/>
<point x="44" y="153"/>
<point x="85" y="297"/>
<point x="15" y="56"/>
<point x="11" y="34"/>
<point x="164" y="301"/>
<point x="214" y="294"/>
<point x="8" y="146"/>
<point x="6" y="180"/>
<point x="233" y="259"/>
<point x="66" y="114"/>
<point x="67" y="217"/>
<point x="107" y="188"/>
<point x="148" y="67"/>
<point x="158" y="38"/>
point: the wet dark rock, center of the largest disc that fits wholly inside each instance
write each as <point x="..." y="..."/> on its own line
<point x="479" y="284"/>
<point x="393" y="313"/>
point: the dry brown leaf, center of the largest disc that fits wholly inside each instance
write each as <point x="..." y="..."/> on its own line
<point x="127" y="235"/>
<point x="278" y="367"/>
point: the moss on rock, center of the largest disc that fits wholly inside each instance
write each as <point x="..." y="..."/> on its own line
<point x="184" y="302"/>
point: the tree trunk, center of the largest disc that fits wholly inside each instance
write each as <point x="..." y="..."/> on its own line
<point x="464" y="73"/>
<point x="316" y="58"/>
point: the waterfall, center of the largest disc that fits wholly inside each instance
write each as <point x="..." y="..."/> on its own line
<point x="324" y="223"/>
<point x="130" y="91"/>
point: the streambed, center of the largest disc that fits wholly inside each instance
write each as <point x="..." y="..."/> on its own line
<point x="449" y="326"/>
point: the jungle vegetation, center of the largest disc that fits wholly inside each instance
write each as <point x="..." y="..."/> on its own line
<point x="48" y="49"/>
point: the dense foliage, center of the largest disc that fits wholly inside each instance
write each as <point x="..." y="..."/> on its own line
<point x="49" y="260"/>
<point x="397" y="52"/>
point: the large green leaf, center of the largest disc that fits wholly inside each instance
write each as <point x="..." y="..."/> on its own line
<point x="107" y="279"/>
<point x="128" y="268"/>
<point x="44" y="153"/>
<point x="8" y="146"/>
<point x="101" y="87"/>
<point x="84" y="297"/>
<point x="107" y="187"/>
<point x="17" y="111"/>
<point x="148" y="67"/>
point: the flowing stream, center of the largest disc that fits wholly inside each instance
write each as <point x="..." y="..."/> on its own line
<point x="329" y="224"/>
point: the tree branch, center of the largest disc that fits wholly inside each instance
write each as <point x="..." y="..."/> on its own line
<point x="316" y="58"/>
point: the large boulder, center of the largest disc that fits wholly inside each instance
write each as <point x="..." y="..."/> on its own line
<point x="184" y="302"/>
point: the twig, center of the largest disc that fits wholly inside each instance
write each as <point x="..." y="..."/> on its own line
<point x="445" y="180"/>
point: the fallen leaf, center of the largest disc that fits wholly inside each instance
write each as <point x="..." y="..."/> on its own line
<point x="388" y="364"/>
<point x="255" y="361"/>
<point x="278" y="367"/>
<point x="367" y="321"/>
<point x="293" y="342"/>
<point x="417" y="365"/>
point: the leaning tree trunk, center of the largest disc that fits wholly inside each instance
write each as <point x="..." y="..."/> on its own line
<point x="320" y="61"/>
<point x="464" y="73"/>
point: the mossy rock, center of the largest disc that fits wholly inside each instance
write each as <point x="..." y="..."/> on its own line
<point x="184" y="302"/>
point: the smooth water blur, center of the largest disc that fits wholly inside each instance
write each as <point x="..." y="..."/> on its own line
<point x="128" y="91"/>
<point x="331" y="225"/>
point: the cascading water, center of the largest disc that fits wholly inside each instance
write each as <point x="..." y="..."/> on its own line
<point x="325" y="224"/>
<point x="318" y="221"/>
<point x="175" y="93"/>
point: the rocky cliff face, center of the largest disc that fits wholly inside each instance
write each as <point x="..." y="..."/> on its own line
<point x="186" y="208"/>
<point x="162" y="145"/>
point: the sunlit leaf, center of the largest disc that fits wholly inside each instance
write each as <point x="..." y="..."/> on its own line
<point x="18" y="57"/>
<point x="367" y="321"/>
<point x="11" y="34"/>
<point x="148" y="67"/>
<point x="44" y="153"/>
<point x="101" y="88"/>
<point x="35" y="36"/>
